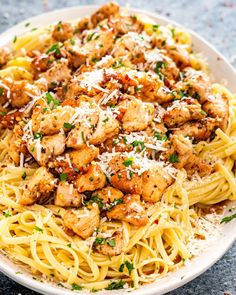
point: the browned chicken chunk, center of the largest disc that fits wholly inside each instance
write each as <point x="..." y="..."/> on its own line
<point x="107" y="10"/>
<point x="62" y="31"/>
<point x="110" y="246"/>
<point x="67" y="195"/>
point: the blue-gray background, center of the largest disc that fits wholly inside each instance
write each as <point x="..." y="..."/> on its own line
<point x="213" y="19"/>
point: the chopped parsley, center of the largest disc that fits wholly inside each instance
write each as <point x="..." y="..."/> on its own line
<point x="118" y="64"/>
<point x="174" y="158"/>
<point x="83" y="137"/>
<point x="76" y="287"/>
<point x="139" y="144"/>
<point x="3" y="113"/>
<point x="14" y="40"/>
<point x="89" y="38"/>
<point x="23" y="176"/>
<point x="155" y="27"/>
<point x="203" y="112"/>
<point x="99" y="241"/>
<point x="27" y="24"/>
<point x="129" y="266"/>
<point x="68" y="126"/>
<point x="227" y="219"/>
<point x="69" y="245"/>
<point x="1" y="91"/>
<point x="97" y="200"/>
<point x="38" y="229"/>
<point x="105" y="120"/>
<point x="55" y="48"/>
<point x="158" y="136"/>
<point x="111" y="242"/>
<point x="51" y="99"/>
<point x="38" y="135"/>
<point x="116" y="285"/>
<point x="91" y="178"/>
<point x="128" y="162"/>
<point x="63" y="176"/>
<point x="114" y="203"/>
<point x="6" y="214"/>
<point x="160" y="65"/>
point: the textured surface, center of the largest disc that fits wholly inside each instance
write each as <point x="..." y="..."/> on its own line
<point x="214" y="20"/>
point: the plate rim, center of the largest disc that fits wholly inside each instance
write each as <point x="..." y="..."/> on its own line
<point x="45" y="288"/>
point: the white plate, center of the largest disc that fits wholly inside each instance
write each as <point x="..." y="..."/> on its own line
<point x="222" y="70"/>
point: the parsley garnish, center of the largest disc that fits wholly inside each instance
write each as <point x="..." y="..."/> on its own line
<point x="76" y="287"/>
<point x="174" y="158"/>
<point x="129" y="266"/>
<point x="38" y="229"/>
<point x="68" y="126"/>
<point x="116" y="285"/>
<point x="38" y="135"/>
<point x="6" y="214"/>
<point x="50" y="99"/>
<point x="115" y="202"/>
<point x="128" y="162"/>
<point x="118" y="64"/>
<point x="138" y="143"/>
<point x="63" y="176"/>
<point x="69" y="245"/>
<point x="55" y="48"/>
<point x="1" y="91"/>
<point x="159" y="65"/>
<point x="203" y="112"/>
<point x="155" y="27"/>
<point x="89" y="38"/>
<point x="99" y="241"/>
<point x="14" y="40"/>
<point x="23" y="176"/>
<point x="227" y="219"/>
<point x="97" y="200"/>
<point x="83" y="137"/>
<point x="27" y="24"/>
<point x="158" y="136"/>
<point x="111" y="242"/>
<point x="3" y="113"/>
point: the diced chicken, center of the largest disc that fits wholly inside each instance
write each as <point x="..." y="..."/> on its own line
<point x="184" y="157"/>
<point x="105" y="247"/>
<point x="16" y="145"/>
<point x="42" y="62"/>
<point x="123" y="179"/>
<point x="108" y="195"/>
<point x="58" y="73"/>
<point x="98" y="43"/>
<point x="21" y="93"/>
<point x="79" y="136"/>
<point x="138" y="115"/>
<point x="67" y="195"/>
<point x="107" y="127"/>
<point x="218" y="107"/>
<point x="49" y="147"/>
<point x="179" y="54"/>
<point x="5" y="55"/>
<point x="84" y="156"/>
<point x="93" y="179"/>
<point x="39" y="187"/>
<point x="154" y="183"/>
<point x="196" y="83"/>
<point x="62" y="31"/>
<point x="200" y="130"/>
<point x="52" y="122"/>
<point x="126" y="24"/>
<point x="131" y="211"/>
<point x="84" y="24"/>
<point x="83" y="222"/>
<point x="180" y="112"/>
<point x="107" y="10"/>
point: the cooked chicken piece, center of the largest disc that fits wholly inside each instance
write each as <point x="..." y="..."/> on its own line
<point x="107" y="127"/>
<point x="84" y="156"/>
<point x="115" y="144"/>
<point x="154" y="183"/>
<point x="218" y="107"/>
<point x="58" y="73"/>
<point x="181" y="155"/>
<point x="138" y="115"/>
<point x="39" y="187"/>
<point x="79" y="136"/>
<point x="98" y="43"/>
<point x="196" y="83"/>
<point x="62" y="31"/>
<point x="105" y="11"/>
<point x="5" y="55"/>
<point x="93" y="179"/>
<point x="9" y="120"/>
<point x="179" y="54"/>
<point x="42" y="62"/>
<point x="123" y="179"/>
<point x="131" y="211"/>
<point x="16" y="145"/>
<point x="49" y="147"/>
<point x="83" y="222"/>
<point x="125" y="25"/>
<point x="200" y="130"/>
<point x="52" y="122"/>
<point x="84" y="24"/>
<point x="22" y="93"/>
<point x="108" y="195"/>
<point x="131" y="45"/>
<point x="106" y="249"/>
<point x="67" y="195"/>
<point x="180" y="112"/>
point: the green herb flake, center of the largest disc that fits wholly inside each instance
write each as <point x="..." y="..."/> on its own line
<point x="203" y="112"/>
<point x="99" y="241"/>
<point x="114" y="203"/>
<point x="14" y="40"/>
<point x="128" y="162"/>
<point x="118" y="64"/>
<point x="89" y="38"/>
<point x="174" y="158"/>
<point x="3" y="113"/>
<point x="111" y="242"/>
<point x="27" y="24"/>
<point x="128" y="265"/>
<point x="76" y="287"/>
<point x="97" y="200"/>
<point x="160" y="65"/>
<point x="69" y="245"/>
<point x="23" y="176"/>
<point x="91" y="178"/>
<point x="227" y="219"/>
<point x="38" y="135"/>
<point x="155" y="27"/>
<point x="68" y="126"/>
<point x="116" y="285"/>
<point x="94" y="290"/>
<point x="38" y="229"/>
<point x="137" y="143"/>
<point x="83" y="137"/>
<point x="55" y="48"/>
<point x="51" y="99"/>
<point x="6" y="214"/>
<point x="1" y="91"/>
<point x="158" y="136"/>
<point x="63" y="176"/>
